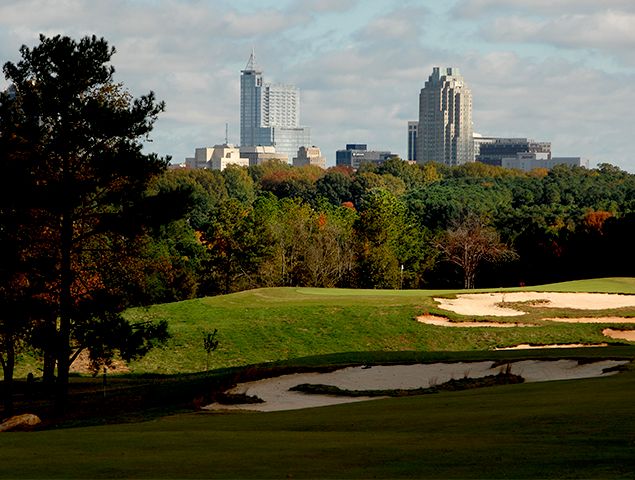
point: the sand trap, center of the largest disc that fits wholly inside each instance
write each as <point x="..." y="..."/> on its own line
<point x="275" y="391"/>
<point x="481" y="304"/>
<point x="628" y="335"/>
<point x="444" y="322"/>
<point x="526" y="346"/>
<point x="592" y="319"/>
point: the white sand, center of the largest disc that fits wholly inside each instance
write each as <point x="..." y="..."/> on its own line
<point x="526" y="346"/>
<point x="444" y="322"/>
<point x="628" y="335"/>
<point x="592" y="320"/>
<point x="481" y="304"/>
<point x="275" y="391"/>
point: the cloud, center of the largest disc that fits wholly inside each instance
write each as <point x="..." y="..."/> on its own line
<point x="360" y="65"/>
<point x="323" y="6"/>
<point x="472" y="9"/>
<point x="576" y="107"/>
<point x="403" y="24"/>
<point x="604" y="30"/>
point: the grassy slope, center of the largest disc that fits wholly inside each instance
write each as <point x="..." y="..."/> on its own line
<point x="572" y="429"/>
<point x="280" y="323"/>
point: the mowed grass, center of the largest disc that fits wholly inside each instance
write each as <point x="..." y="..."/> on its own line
<point x="275" y="324"/>
<point x="566" y="429"/>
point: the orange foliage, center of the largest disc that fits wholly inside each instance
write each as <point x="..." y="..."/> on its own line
<point x="321" y="221"/>
<point x="594" y="220"/>
<point x="343" y="169"/>
<point x="539" y="172"/>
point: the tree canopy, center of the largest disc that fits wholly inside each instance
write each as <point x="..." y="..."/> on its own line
<point x="75" y="186"/>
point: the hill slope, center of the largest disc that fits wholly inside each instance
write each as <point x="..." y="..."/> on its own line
<point x="281" y="323"/>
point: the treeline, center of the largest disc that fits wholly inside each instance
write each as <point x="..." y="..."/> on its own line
<point x="387" y="226"/>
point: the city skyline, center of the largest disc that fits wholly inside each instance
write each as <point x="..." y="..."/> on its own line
<point x="561" y="71"/>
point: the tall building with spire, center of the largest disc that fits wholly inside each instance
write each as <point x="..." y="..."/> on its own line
<point x="270" y="113"/>
<point x="445" y="131"/>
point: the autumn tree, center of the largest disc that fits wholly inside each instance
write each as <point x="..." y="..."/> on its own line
<point x="329" y="253"/>
<point x="471" y="241"/>
<point x="74" y="139"/>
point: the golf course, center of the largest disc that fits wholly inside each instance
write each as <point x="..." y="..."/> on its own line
<point x="580" y="428"/>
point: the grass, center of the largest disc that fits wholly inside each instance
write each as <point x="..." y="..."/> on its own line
<point x="275" y="324"/>
<point x="567" y="429"/>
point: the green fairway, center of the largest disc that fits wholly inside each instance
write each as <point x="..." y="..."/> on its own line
<point x="567" y="429"/>
<point x="564" y="429"/>
<point x="283" y="323"/>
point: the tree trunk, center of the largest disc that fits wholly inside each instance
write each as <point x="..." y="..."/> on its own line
<point x="48" y="367"/>
<point x="8" y="367"/>
<point x="66" y="281"/>
<point x="469" y="275"/>
<point x="50" y="349"/>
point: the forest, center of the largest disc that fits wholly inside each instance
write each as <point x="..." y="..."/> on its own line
<point x="395" y="225"/>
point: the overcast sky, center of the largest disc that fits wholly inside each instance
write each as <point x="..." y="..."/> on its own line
<point x="553" y="70"/>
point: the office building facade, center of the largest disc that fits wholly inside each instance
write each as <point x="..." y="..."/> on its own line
<point x="309" y="156"/>
<point x="413" y="128"/>
<point x="270" y="113"/>
<point x="445" y="130"/>
<point x="217" y="157"/>
<point x="357" y="153"/>
<point x="528" y="161"/>
<point x="259" y="155"/>
<point x="496" y="149"/>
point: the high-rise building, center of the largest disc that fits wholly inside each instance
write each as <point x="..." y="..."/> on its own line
<point x="445" y="119"/>
<point x="270" y="113"/>
<point x="413" y="128"/>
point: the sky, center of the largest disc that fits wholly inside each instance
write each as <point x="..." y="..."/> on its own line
<point x="553" y="70"/>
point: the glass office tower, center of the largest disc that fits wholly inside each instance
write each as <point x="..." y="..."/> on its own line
<point x="270" y="113"/>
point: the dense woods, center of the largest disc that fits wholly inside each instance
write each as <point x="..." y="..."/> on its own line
<point x="396" y="226"/>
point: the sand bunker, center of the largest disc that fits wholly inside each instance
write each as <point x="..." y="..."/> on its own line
<point x="482" y="304"/>
<point x="592" y="319"/>
<point x="276" y="395"/>
<point x="628" y="335"/>
<point x="444" y="322"/>
<point x="526" y="346"/>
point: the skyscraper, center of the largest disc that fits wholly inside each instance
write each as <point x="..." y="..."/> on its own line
<point x="413" y="127"/>
<point x="445" y="119"/>
<point x="270" y="113"/>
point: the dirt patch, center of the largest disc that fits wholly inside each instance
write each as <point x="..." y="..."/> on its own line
<point x="444" y="322"/>
<point x="494" y="304"/>
<point x="592" y="319"/>
<point x="628" y="335"/>
<point x="526" y="346"/>
<point x="82" y="365"/>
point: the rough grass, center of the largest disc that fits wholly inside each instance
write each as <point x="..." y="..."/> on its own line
<point x="568" y="429"/>
<point x="282" y="323"/>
